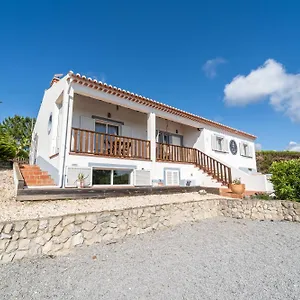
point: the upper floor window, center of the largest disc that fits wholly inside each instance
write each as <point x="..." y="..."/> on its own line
<point x="169" y="138"/>
<point x="106" y="128"/>
<point x="245" y="149"/>
<point x="219" y="143"/>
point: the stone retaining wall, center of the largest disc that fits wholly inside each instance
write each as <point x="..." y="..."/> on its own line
<point x="274" y="210"/>
<point x="59" y="235"/>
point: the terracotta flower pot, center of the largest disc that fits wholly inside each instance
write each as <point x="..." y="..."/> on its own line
<point x="237" y="188"/>
<point x="80" y="184"/>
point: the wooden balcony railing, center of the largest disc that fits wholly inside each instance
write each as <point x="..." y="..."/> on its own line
<point x="91" y="142"/>
<point x="173" y="153"/>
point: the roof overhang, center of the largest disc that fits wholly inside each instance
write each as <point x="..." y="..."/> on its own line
<point x="112" y="90"/>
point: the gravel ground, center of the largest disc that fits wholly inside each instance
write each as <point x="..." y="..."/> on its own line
<point x="10" y="209"/>
<point x="213" y="259"/>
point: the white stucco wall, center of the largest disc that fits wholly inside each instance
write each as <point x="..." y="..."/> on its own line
<point x="135" y="123"/>
<point x="187" y="171"/>
<point x="238" y="161"/>
<point x="169" y="126"/>
<point x="47" y="141"/>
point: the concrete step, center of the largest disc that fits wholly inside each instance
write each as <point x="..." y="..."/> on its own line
<point x="34" y="176"/>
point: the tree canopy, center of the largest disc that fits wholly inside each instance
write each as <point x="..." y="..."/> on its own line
<point x="15" y="137"/>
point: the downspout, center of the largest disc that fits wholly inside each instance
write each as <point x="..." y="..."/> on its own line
<point x="62" y="177"/>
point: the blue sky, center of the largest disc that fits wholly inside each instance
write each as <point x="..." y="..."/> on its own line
<point x="160" y="49"/>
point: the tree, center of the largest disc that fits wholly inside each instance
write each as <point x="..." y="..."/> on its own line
<point x="7" y="149"/>
<point x="16" y="134"/>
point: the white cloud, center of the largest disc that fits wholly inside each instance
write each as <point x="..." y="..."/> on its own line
<point x="210" y="67"/>
<point x="269" y="81"/>
<point x="258" y="147"/>
<point x="97" y="76"/>
<point x="293" y="146"/>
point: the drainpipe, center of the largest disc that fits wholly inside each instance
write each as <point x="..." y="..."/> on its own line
<point x="65" y="147"/>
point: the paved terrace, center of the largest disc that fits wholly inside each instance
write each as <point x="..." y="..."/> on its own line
<point x="11" y="210"/>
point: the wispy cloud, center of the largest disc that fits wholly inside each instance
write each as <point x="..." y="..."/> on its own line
<point x="293" y="146"/>
<point x="210" y="66"/>
<point x="268" y="82"/>
<point x="98" y="76"/>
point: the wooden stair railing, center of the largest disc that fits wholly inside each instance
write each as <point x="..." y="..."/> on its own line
<point x="211" y="166"/>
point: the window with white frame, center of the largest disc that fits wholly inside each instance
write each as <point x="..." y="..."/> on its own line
<point x="245" y="149"/>
<point x="219" y="143"/>
<point x="111" y="177"/>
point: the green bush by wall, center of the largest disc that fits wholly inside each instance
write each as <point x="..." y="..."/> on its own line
<point x="286" y="179"/>
<point x="265" y="159"/>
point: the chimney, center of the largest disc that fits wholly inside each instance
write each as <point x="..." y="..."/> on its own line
<point x="56" y="78"/>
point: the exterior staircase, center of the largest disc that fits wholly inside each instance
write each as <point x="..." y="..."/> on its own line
<point x="34" y="176"/>
<point x="209" y="165"/>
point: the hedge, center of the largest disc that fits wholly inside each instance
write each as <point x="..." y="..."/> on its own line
<point x="265" y="159"/>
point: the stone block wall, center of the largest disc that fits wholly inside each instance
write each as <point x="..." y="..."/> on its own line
<point x="59" y="235"/>
<point x="274" y="210"/>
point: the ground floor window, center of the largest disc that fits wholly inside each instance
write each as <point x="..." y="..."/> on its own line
<point x="111" y="177"/>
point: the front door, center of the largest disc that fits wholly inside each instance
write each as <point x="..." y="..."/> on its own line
<point x="170" y="138"/>
<point x="106" y="136"/>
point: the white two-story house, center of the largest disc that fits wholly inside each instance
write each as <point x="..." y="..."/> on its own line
<point x="115" y="137"/>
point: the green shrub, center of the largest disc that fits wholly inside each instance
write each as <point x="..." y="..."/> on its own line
<point x="286" y="179"/>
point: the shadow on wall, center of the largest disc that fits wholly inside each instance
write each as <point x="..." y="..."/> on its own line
<point x="46" y="166"/>
<point x="192" y="138"/>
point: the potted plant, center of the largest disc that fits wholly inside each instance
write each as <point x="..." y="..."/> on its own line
<point x="237" y="187"/>
<point x="160" y="183"/>
<point x="80" y="180"/>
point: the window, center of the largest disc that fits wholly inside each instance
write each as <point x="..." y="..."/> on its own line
<point x="245" y="149"/>
<point x="121" y="177"/>
<point x="111" y="177"/>
<point x="106" y="128"/>
<point x="219" y="143"/>
<point x="50" y="123"/>
<point x="101" y="176"/>
<point x="169" y="138"/>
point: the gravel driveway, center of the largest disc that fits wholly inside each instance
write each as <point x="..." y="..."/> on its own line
<point x="212" y="259"/>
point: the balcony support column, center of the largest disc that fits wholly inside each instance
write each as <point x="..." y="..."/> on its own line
<point x="151" y="135"/>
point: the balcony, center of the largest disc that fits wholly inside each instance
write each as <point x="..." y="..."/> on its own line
<point x="94" y="143"/>
<point x="87" y="142"/>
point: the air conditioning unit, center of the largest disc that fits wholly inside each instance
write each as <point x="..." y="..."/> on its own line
<point x="142" y="178"/>
<point x="72" y="176"/>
